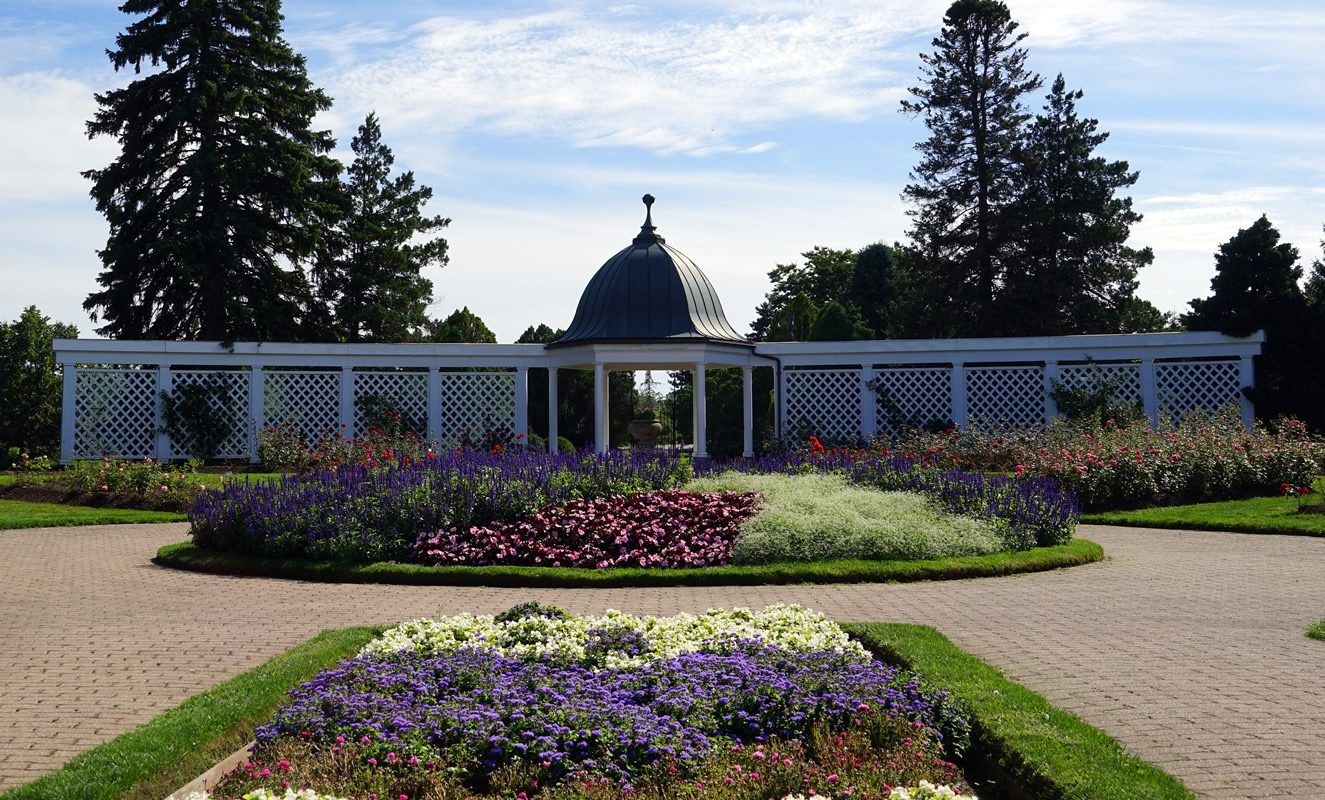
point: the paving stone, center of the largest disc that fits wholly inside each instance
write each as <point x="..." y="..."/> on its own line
<point x="1188" y="647"/>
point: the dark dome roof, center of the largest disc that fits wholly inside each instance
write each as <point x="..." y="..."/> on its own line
<point x="649" y="292"/>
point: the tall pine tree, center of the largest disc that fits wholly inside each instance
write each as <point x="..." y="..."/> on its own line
<point x="967" y="178"/>
<point x="220" y="183"/>
<point x="369" y="265"/>
<point x="1075" y="272"/>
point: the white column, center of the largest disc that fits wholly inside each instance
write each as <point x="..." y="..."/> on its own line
<point x="552" y="409"/>
<point x="1149" y="391"/>
<point x="68" y="405"/>
<point x="435" y="406"/>
<point x="959" y="394"/>
<point x="869" y="404"/>
<point x="257" y="412"/>
<point x="522" y="405"/>
<point x="748" y="411"/>
<point x="1246" y="380"/>
<point x="600" y="408"/>
<point x="347" y="402"/>
<point x="1051" y="377"/>
<point x="164" y="383"/>
<point x="701" y="412"/>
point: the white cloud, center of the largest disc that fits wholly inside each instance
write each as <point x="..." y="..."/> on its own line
<point x="42" y="145"/>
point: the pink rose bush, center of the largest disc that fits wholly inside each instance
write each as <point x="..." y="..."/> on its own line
<point x="673" y="529"/>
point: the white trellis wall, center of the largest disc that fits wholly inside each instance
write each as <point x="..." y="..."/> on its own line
<point x="113" y="389"/>
<point x="850" y="389"/>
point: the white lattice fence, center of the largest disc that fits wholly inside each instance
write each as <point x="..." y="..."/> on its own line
<point x="406" y="392"/>
<point x="1005" y="395"/>
<point x="114" y="412"/>
<point x="471" y="401"/>
<point x="823" y="401"/>
<point x="912" y="396"/>
<point x="227" y="398"/>
<point x="1183" y="387"/>
<point x="1082" y="377"/>
<point x="307" y="401"/>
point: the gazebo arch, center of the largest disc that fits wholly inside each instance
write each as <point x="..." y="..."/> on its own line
<point x="650" y="307"/>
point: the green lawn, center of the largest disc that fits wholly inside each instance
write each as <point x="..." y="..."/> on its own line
<point x="171" y="750"/>
<point x="22" y="514"/>
<point x="1049" y="753"/>
<point x="186" y="555"/>
<point x="1254" y="515"/>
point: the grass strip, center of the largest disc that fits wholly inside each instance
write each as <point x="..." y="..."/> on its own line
<point x="1253" y="515"/>
<point x="1049" y="753"/>
<point x="1317" y="631"/>
<point x="171" y="750"/>
<point x="185" y="555"/>
<point x="23" y="514"/>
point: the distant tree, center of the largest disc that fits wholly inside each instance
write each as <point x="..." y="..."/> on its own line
<point x="220" y="180"/>
<point x="30" y="383"/>
<point x="368" y="270"/>
<point x="877" y="286"/>
<point x="968" y="177"/>
<point x="463" y="326"/>
<point x="1256" y="287"/>
<point x="1315" y="287"/>
<point x="1074" y="271"/>
<point x="798" y="289"/>
<point x="832" y="324"/>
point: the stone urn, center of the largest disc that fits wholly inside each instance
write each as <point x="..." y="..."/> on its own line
<point x="645" y="432"/>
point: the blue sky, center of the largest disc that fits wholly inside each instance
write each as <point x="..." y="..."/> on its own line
<point x="763" y="128"/>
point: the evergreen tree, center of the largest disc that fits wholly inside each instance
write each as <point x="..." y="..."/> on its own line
<point x="877" y="286"/>
<point x="220" y="180"/>
<point x="463" y="326"/>
<point x="1315" y="287"/>
<point x="369" y="265"/>
<point x="1256" y="287"/>
<point x="832" y="324"/>
<point x="1075" y="272"/>
<point x="968" y="175"/>
<point x="30" y="383"/>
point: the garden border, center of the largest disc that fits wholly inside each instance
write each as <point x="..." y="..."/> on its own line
<point x="190" y="557"/>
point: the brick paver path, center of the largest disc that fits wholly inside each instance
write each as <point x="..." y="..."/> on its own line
<point x="1187" y="647"/>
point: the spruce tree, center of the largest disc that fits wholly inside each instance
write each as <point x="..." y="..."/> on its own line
<point x="369" y="265"/>
<point x="220" y="182"/>
<point x="1075" y="272"/>
<point x="967" y="178"/>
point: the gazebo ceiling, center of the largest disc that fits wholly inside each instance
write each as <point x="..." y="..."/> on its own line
<point x="649" y="292"/>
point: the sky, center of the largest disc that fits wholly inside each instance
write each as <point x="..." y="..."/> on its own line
<point x="763" y="127"/>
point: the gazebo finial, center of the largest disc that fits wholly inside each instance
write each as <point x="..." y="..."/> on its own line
<point x="646" y="231"/>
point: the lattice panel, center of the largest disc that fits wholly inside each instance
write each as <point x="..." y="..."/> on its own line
<point x="406" y="392"/>
<point x="231" y="404"/>
<point x="1208" y="385"/>
<point x="1005" y="395"/>
<point x="912" y="397"/>
<point x="307" y="401"/>
<point x="1087" y="376"/>
<point x="472" y="400"/>
<point x="823" y="401"/>
<point x="115" y="413"/>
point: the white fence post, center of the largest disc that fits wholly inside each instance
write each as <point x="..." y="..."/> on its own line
<point x="959" y="394"/>
<point x="1149" y="392"/>
<point x="164" y="385"/>
<point x="1247" y="378"/>
<point x="552" y="432"/>
<point x="869" y="404"/>
<point x="522" y="404"/>
<point x="347" y="402"/>
<point x="257" y="411"/>
<point x="1051" y="377"/>
<point x="435" y="405"/>
<point x="68" y="403"/>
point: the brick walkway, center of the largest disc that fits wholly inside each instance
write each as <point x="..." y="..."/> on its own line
<point x="1187" y="647"/>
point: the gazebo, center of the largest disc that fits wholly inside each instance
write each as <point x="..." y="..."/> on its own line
<point x="651" y="307"/>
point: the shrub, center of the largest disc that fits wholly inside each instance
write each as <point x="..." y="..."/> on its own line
<point x="362" y="514"/>
<point x="824" y="517"/>
<point x="146" y="480"/>
<point x="647" y="529"/>
<point x="281" y="449"/>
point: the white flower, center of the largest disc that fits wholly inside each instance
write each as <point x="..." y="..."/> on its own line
<point x="928" y="791"/>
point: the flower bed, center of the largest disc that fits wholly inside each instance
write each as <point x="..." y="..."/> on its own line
<point x="535" y="702"/>
<point x="363" y="514"/>
<point x="670" y="529"/>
